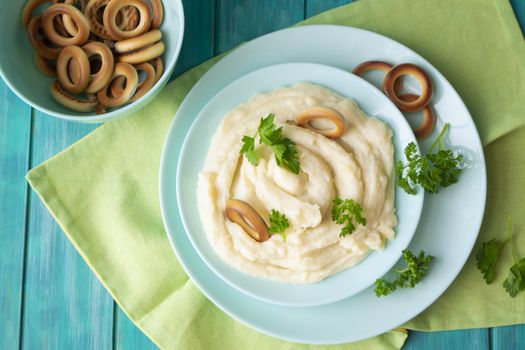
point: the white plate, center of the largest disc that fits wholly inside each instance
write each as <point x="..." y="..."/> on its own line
<point x="195" y="149"/>
<point x="449" y="223"/>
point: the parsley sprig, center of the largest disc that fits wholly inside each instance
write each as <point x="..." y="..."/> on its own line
<point x="487" y="258"/>
<point x="347" y="212"/>
<point x="416" y="268"/>
<point x="432" y="171"/>
<point x="278" y="224"/>
<point x="283" y="148"/>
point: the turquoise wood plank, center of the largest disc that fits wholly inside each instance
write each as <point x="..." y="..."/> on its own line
<point x="471" y="339"/>
<point x="508" y="338"/>
<point x="313" y="7"/>
<point x="15" y="128"/>
<point x="65" y="307"/>
<point x="519" y="10"/>
<point x="128" y="336"/>
<point x="197" y="47"/>
<point x="242" y="20"/>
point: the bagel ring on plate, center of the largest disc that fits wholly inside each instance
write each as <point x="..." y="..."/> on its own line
<point x="245" y="216"/>
<point x="424" y="81"/>
<point x="132" y="80"/>
<point x="43" y="64"/>
<point x="364" y="67"/>
<point x="117" y="86"/>
<point x="429" y="119"/>
<point x="320" y="112"/>
<point x="80" y="105"/>
<point x="102" y="77"/>
<point x="78" y="18"/>
<point x="143" y="55"/>
<point x="91" y="11"/>
<point x="110" y="18"/>
<point x="138" y="42"/>
<point x="33" y="31"/>
<point x="73" y="84"/>
<point x="158" y="64"/>
<point x="29" y="8"/>
<point x="158" y="13"/>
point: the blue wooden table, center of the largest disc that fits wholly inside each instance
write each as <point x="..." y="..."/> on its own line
<point x="49" y="298"/>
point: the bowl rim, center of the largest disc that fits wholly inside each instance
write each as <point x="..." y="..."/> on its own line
<point x="96" y="118"/>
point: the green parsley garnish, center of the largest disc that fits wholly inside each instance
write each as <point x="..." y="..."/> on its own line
<point x="347" y="212"/>
<point x="487" y="257"/>
<point x="278" y="224"/>
<point x="408" y="277"/>
<point x="283" y="148"/>
<point x="432" y="171"/>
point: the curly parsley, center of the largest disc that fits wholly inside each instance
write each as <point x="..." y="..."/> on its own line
<point x="278" y="224"/>
<point x="347" y="212"/>
<point x="432" y="171"/>
<point x="416" y="268"/>
<point x="283" y="148"/>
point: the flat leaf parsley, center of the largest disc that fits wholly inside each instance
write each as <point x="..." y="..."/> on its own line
<point x="283" y="148"/>
<point x="432" y="171"/>
<point x="278" y="223"/>
<point x="347" y="212"/>
<point x="416" y="268"/>
<point x="487" y="258"/>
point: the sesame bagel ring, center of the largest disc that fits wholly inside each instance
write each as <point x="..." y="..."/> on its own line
<point x="73" y="85"/>
<point x="139" y="42"/>
<point x="110" y="18"/>
<point x="364" y="67"/>
<point x="132" y="80"/>
<point x="429" y="118"/>
<point x="117" y="86"/>
<point x="423" y="79"/>
<point x="245" y="216"/>
<point x="320" y="112"/>
<point x="46" y="67"/>
<point x="146" y="54"/>
<point x="78" y="18"/>
<point x="33" y="31"/>
<point x="158" y="64"/>
<point x="158" y="13"/>
<point x="102" y="77"/>
<point x="80" y="105"/>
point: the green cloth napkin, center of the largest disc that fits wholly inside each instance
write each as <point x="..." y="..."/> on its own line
<point x="103" y="190"/>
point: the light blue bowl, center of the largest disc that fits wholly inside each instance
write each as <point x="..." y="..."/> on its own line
<point x="195" y="148"/>
<point x="27" y="82"/>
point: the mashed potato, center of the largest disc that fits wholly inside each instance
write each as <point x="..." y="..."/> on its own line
<point x="357" y="166"/>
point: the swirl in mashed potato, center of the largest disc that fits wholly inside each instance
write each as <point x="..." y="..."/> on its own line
<point x="357" y="166"/>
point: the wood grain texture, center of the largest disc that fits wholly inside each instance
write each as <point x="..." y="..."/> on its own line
<point x="314" y="7"/>
<point x="197" y="46"/>
<point x="15" y="128"/>
<point x="242" y="20"/>
<point x="128" y="336"/>
<point x="519" y="10"/>
<point x="508" y="338"/>
<point x="471" y="339"/>
<point x="65" y="307"/>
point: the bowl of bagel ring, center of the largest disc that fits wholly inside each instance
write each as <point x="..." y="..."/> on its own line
<point x="89" y="60"/>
